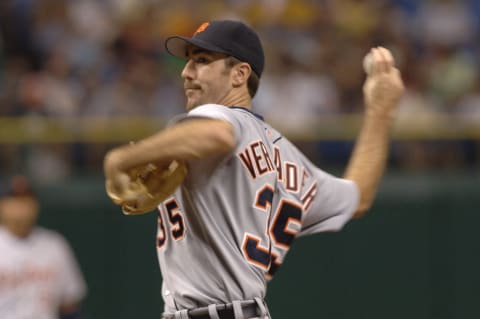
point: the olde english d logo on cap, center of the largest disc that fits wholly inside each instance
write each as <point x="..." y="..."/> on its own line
<point x="202" y="28"/>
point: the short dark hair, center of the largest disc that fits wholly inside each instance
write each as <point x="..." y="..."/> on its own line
<point x="18" y="186"/>
<point x="253" y="80"/>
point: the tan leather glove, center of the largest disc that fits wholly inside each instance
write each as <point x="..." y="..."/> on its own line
<point x="141" y="189"/>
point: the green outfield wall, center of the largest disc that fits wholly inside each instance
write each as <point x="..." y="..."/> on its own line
<point x="416" y="254"/>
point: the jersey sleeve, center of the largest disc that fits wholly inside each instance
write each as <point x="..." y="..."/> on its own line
<point x="329" y="203"/>
<point x="213" y="111"/>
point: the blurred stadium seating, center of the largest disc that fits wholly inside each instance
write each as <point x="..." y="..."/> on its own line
<point x="73" y="74"/>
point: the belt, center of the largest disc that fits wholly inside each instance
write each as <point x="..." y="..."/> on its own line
<point x="225" y="311"/>
<point x="236" y="310"/>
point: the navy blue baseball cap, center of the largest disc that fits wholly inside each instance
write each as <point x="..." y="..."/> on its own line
<point x="230" y="37"/>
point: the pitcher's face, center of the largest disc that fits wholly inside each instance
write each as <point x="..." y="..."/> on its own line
<point x="206" y="78"/>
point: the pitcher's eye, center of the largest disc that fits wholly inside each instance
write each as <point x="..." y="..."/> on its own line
<point x="201" y="60"/>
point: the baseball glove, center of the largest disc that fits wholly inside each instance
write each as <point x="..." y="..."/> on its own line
<point x="141" y="189"/>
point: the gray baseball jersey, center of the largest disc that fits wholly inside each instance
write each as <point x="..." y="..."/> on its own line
<point x="225" y="231"/>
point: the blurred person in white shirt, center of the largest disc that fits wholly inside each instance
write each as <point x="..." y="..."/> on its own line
<point x="39" y="276"/>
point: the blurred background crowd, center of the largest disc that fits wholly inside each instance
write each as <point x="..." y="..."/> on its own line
<point x="79" y="60"/>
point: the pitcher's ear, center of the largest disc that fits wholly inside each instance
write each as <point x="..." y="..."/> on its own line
<point x="240" y="73"/>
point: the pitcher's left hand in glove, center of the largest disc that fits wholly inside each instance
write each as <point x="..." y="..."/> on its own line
<point x="141" y="189"/>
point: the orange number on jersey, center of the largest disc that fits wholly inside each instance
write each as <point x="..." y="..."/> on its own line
<point x="287" y="213"/>
<point x="175" y="219"/>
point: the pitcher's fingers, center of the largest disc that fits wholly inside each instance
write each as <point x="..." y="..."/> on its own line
<point x="381" y="62"/>
<point x="397" y="74"/>
<point x="376" y="67"/>
<point x="388" y="56"/>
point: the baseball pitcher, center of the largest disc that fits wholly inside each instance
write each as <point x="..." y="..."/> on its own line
<point x="241" y="191"/>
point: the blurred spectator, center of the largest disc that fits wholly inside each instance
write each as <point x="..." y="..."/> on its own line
<point x="17" y="28"/>
<point x="451" y="75"/>
<point x="467" y="110"/>
<point x="445" y="23"/>
<point x="39" y="276"/>
<point x="293" y="97"/>
<point x="62" y="93"/>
